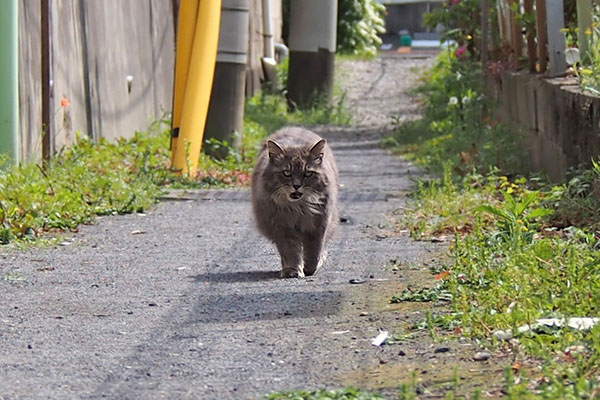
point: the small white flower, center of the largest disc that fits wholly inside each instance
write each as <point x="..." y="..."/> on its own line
<point x="466" y="100"/>
<point x="572" y="55"/>
<point x="452" y="101"/>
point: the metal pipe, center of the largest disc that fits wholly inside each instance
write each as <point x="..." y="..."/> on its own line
<point x="268" y="29"/>
<point x="282" y="51"/>
<point x="9" y="80"/>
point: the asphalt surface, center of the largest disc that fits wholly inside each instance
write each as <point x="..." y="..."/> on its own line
<point x="185" y="300"/>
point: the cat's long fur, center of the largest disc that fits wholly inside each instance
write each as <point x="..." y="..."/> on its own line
<point x="294" y="198"/>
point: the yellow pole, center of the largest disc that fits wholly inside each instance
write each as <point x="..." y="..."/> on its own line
<point x="188" y="14"/>
<point x="198" y="88"/>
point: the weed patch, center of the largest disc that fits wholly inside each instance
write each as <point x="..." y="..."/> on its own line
<point x="326" y="394"/>
<point x="523" y="250"/>
<point x="99" y="178"/>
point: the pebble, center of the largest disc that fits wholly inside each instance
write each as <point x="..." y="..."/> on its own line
<point x="442" y="349"/>
<point x="356" y="281"/>
<point x="364" y="314"/>
<point x="481" y="356"/>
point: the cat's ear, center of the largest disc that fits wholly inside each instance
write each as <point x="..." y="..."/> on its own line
<point x="316" y="152"/>
<point x="275" y="151"/>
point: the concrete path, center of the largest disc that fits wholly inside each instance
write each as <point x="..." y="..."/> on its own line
<point x="184" y="301"/>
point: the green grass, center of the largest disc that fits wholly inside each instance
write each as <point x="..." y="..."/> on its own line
<point x="90" y="179"/>
<point x="522" y="248"/>
<point x="325" y="394"/>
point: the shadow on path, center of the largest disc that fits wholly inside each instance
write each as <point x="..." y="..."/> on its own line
<point x="237" y="276"/>
<point x="234" y="308"/>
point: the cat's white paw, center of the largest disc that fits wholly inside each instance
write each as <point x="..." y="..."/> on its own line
<point x="310" y="271"/>
<point x="292" y="273"/>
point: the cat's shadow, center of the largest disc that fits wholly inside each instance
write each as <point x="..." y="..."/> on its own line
<point x="238" y="276"/>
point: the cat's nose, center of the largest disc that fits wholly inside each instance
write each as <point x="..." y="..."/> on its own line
<point x="296" y="186"/>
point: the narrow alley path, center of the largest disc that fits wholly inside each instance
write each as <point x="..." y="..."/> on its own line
<point x="185" y="301"/>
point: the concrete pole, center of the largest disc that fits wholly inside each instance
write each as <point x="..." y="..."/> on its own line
<point x="312" y="51"/>
<point x="9" y="81"/>
<point x="226" y="111"/>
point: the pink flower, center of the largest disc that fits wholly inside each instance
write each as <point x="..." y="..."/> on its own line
<point x="460" y="52"/>
<point x="453" y="2"/>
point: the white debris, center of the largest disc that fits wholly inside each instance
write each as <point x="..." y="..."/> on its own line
<point x="380" y="339"/>
<point x="340" y="332"/>
<point x="574" y="323"/>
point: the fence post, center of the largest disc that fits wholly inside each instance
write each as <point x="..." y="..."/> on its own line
<point x="531" y="48"/>
<point x="9" y="81"/>
<point x="556" y="39"/>
<point x="542" y="32"/>
<point x="584" y="22"/>
<point x="517" y="40"/>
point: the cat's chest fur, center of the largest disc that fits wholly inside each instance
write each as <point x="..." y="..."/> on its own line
<point x="300" y="216"/>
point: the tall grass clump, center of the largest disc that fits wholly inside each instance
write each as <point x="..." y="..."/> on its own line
<point x="524" y="269"/>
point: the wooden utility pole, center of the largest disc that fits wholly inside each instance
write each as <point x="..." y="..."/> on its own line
<point x="312" y="38"/>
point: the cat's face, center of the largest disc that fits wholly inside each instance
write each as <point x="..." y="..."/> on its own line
<point x="296" y="172"/>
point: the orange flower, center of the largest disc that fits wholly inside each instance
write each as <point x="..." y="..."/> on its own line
<point x="442" y="275"/>
<point x="65" y="102"/>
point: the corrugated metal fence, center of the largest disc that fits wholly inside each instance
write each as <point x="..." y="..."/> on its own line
<point x="112" y="61"/>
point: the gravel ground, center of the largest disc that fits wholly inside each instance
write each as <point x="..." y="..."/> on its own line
<point x="184" y="301"/>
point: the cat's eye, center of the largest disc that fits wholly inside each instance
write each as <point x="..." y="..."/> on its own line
<point x="308" y="174"/>
<point x="287" y="173"/>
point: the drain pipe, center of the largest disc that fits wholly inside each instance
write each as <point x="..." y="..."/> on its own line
<point x="312" y="51"/>
<point x="268" y="61"/>
<point x="226" y="111"/>
<point x="268" y="29"/>
<point x="9" y="80"/>
<point x="282" y="51"/>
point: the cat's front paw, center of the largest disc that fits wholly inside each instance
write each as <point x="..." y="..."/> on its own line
<point x="291" y="273"/>
<point x="311" y="268"/>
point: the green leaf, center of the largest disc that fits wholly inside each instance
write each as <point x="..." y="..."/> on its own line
<point x="494" y="210"/>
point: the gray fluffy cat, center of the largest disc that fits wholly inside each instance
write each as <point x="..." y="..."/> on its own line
<point x="294" y="197"/>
